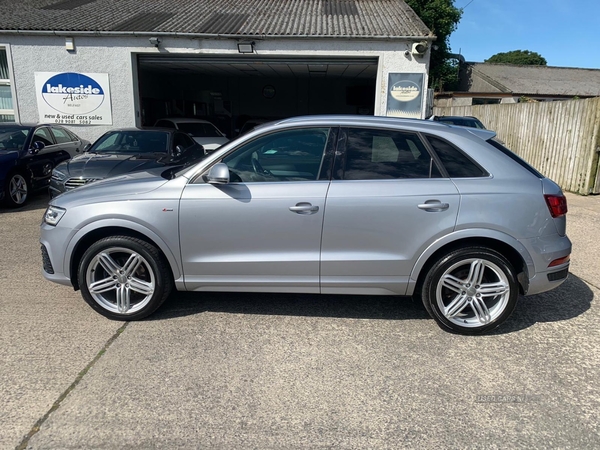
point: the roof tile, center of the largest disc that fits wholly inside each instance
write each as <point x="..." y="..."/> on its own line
<point x="326" y="18"/>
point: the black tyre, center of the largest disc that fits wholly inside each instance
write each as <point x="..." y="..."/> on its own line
<point x="124" y="278"/>
<point x="470" y="290"/>
<point x="16" y="190"/>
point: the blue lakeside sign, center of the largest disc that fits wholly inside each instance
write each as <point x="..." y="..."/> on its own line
<point x="73" y="98"/>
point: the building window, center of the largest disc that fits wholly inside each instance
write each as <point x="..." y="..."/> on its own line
<point x="7" y="112"/>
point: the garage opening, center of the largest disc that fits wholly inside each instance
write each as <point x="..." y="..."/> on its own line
<point x="235" y="93"/>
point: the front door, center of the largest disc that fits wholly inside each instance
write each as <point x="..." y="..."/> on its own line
<point x="262" y="231"/>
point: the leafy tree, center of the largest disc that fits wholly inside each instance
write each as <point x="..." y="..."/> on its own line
<point x="522" y="57"/>
<point x="441" y="17"/>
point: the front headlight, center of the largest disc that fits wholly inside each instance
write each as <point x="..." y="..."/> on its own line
<point x="58" y="176"/>
<point x="53" y="215"/>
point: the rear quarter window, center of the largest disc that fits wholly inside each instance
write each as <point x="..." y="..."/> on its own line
<point x="514" y="157"/>
<point x="457" y="164"/>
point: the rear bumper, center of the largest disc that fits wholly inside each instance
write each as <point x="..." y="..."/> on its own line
<point x="543" y="251"/>
<point x="548" y="280"/>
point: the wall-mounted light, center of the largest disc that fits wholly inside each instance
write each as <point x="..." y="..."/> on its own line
<point x="245" y="47"/>
<point x="155" y="41"/>
<point x="70" y="44"/>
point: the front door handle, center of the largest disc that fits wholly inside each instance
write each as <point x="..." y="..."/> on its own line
<point x="433" y="206"/>
<point x="304" y="208"/>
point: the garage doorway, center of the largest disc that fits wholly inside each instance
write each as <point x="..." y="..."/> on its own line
<point x="231" y="91"/>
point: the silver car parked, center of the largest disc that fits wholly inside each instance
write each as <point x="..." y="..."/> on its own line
<point x="322" y="204"/>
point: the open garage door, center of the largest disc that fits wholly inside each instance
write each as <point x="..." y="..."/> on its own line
<point x="233" y="91"/>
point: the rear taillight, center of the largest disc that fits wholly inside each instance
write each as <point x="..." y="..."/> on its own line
<point x="557" y="204"/>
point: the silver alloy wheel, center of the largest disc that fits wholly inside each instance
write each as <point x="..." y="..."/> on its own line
<point x="17" y="189"/>
<point x="473" y="292"/>
<point x="120" y="280"/>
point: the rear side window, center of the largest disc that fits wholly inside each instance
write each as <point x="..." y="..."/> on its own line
<point x="514" y="157"/>
<point x="385" y="154"/>
<point x="457" y="164"/>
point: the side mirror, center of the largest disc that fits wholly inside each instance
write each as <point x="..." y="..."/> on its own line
<point x="86" y="147"/>
<point x="218" y="174"/>
<point x="178" y="151"/>
<point x="36" y="147"/>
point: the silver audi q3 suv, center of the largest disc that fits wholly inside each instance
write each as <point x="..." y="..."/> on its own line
<point x="321" y="204"/>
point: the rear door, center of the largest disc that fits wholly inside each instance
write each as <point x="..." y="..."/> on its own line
<point x="387" y="202"/>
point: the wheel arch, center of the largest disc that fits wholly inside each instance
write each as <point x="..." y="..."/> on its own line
<point x="88" y="235"/>
<point x="507" y="246"/>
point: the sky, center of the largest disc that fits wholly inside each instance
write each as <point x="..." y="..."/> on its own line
<point x="565" y="32"/>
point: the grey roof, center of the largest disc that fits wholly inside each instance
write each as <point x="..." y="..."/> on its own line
<point x="535" y="80"/>
<point x="320" y="18"/>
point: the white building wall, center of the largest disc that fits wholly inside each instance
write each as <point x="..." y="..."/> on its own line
<point x="116" y="55"/>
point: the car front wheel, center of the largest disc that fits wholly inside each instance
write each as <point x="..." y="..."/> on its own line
<point x="470" y="290"/>
<point x="124" y="278"/>
<point x="16" y="190"/>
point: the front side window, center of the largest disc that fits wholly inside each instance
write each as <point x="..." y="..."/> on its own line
<point x="43" y="135"/>
<point x="61" y="136"/>
<point x="183" y="140"/>
<point x="373" y="154"/>
<point x="291" y="155"/>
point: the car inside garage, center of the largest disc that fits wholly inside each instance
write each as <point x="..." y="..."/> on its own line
<point x="233" y="91"/>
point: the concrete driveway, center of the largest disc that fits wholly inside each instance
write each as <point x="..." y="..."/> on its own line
<point x="294" y="371"/>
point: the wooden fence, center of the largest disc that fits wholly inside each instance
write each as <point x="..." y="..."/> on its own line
<point x="561" y="139"/>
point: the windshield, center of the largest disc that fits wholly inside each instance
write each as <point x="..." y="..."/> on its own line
<point x="199" y="129"/>
<point x="13" y="138"/>
<point x="132" y="142"/>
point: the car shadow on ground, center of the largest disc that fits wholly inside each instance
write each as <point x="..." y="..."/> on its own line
<point x="38" y="200"/>
<point x="569" y="300"/>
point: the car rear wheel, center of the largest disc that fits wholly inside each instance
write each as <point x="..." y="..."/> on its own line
<point x="16" y="190"/>
<point x="124" y="278"/>
<point x="470" y="290"/>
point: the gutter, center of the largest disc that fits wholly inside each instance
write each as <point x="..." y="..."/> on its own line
<point x="204" y="35"/>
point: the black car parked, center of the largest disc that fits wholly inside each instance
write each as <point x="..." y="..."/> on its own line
<point x="123" y="151"/>
<point x="28" y="153"/>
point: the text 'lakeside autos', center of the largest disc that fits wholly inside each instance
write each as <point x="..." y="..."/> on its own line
<point x="321" y="204"/>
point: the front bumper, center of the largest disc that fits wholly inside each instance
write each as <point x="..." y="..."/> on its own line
<point x="52" y="240"/>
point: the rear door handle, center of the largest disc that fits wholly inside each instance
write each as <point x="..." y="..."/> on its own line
<point x="433" y="206"/>
<point x="304" y="208"/>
